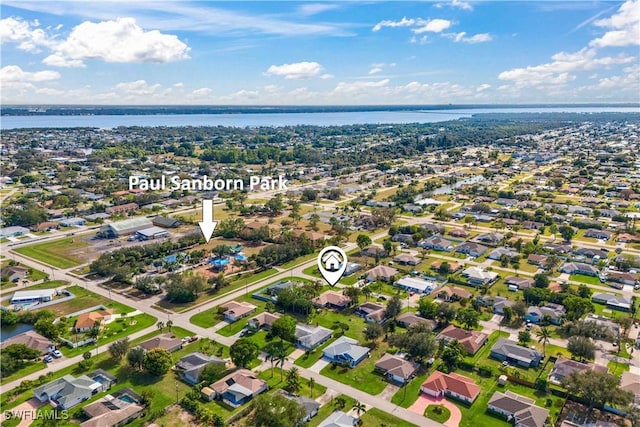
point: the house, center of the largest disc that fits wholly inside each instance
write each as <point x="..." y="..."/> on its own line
<point x="578" y="268"/>
<point x="124" y="227"/>
<point x="453" y="266"/>
<point x="627" y="238"/>
<point x="310" y="337"/>
<point x="406" y="259"/>
<point x="511" y="352"/>
<point x="459" y="232"/>
<point x="31" y="339"/>
<point x="616" y="302"/>
<point x="539" y="260"/>
<point x="190" y="366"/>
<point x="73" y="222"/>
<point x="352" y="267"/>
<point x="238" y="387"/>
<point x="67" y="391"/>
<point x="87" y="321"/>
<point x="598" y="234"/>
<point x="622" y="277"/>
<point x="263" y="320"/>
<point x="490" y="238"/>
<point x="408" y="319"/>
<point x="30" y="297"/>
<point x="235" y="310"/>
<point x="471" y="249"/>
<point x="497" y="253"/>
<point x="46" y="226"/>
<point x="381" y="272"/>
<point x="121" y="209"/>
<point x="396" y="368"/>
<point x="612" y="327"/>
<point x="631" y="382"/>
<point x="416" y="284"/>
<point x="13" y="231"/>
<point x="516" y="283"/>
<point x="404" y="238"/>
<point x="453" y="385"/>
<point x="554" y="312"/>
<point x="114" y="410"/>
<point x="500" y="303"/>
<point x="472" y="341"/>
<point x="437" y="243"/>
<point x="338" y="419"/>
<point x="565" y="367"/>
<point x="346" y="350"/>
<point x="371" y="311"/>
<point x="453" y="293"/>
<point x="522" y="410"/>
<point x="15" y="273"/>
<point x="166" y="222"/>
<point x="593" y="255"/>
<point x="331" y="299"/>
<point x="166" y="341"/>
<point x="310" y="406"/>
<point x="434" y="228"/>
<point x="532" y="225"/>
<point x="374" y="251"/>
<point x="152" y="233"/>
<point x="476" y="276"/>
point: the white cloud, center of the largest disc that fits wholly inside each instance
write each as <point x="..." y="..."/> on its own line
<point x="315" y="8"/>
<point x="15" y="74"/>
<point x="483" y="87"/>
<point x="121" y="40"/>
<point x="462" y="37"/>
<point x="404" y="22"/>
<point x="297" y="70"/>
<point x="419" y="40"/>
<point x="49" y="91"/>
<point x="375" y="69"/>
<point x="178" y="85"/>
<point x="241" y="95"/>
<point x="462" y="5"/>
<point x="26" y="34"/>
<point x="358" y="88"/>
<point x="137" y="88"/>
<point x="624" y="27"/>
<point x="203" y="91"/>
<point x="56" y="60"/>
<point x="432" y="26"/>
<point x="326" y="76"/>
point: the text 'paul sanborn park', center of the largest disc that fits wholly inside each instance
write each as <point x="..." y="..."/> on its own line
<point x="204" y="183"/>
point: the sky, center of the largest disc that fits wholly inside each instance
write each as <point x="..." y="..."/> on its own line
<point x="319" y="53"/>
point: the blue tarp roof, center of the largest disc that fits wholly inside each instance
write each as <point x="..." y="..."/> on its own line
<point x="219" y="261"/>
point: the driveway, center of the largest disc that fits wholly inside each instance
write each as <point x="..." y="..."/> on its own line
<point x="424" y="401"/>
<point x="28" y="411"/>
<point x="388" y="392"/>
<point x="317" y="367"/>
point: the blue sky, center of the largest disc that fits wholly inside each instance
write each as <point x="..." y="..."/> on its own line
<point x="312" y="53"/>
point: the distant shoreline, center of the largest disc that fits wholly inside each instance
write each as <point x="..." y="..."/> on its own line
<point x="125" y="110"/>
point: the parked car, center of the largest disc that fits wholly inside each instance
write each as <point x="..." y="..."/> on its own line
<point x="56" y="353"/>
<point x="48" y="358"/>
<point x="193" y="338"/>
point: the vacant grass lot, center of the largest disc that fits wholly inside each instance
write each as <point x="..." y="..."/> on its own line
<point x="84" y="299"/>
<point x="589" y="280"/>
<point x="375" y="417"/>
<point x="362" y="376"/>
<point x="58" y="253"/>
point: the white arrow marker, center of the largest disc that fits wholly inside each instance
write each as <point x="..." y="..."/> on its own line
<point x="207" y="225"/>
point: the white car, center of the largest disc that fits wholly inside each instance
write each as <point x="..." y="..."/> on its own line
<point x="56" y="353"/>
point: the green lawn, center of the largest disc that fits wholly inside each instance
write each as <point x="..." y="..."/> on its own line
<point x="617" y="368"/>
<point x="207" y="318"/>
<point x="275" y="382"/>
<point x="589" y="280"/>
<point x="374" y="417"/>
<point x="48" y="285"/>
<point x="308" y="359"/>
<point x="437" y="413"/>
<point x="84" y="299"/>
<point x="328" y="408"/>
<point x="409" y="393"/>
<point x="362" y="376"/>
<point x="58" y="253"/>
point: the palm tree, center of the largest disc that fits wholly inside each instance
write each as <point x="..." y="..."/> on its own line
<point x="311" y="382"/>
<point x="359" y="407"/>
<point x="169" y="324"/>
<point x="544" y="336"/>
<point x="366" y="291"/>
<point x="160" y="325"/>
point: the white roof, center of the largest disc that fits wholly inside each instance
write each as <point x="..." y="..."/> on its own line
<point x="34" y="294"/>
<point x="415" y="283"/>
<point x="152" y="231"/>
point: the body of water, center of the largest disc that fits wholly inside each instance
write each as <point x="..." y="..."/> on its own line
<point x="447" y="189"/>
<point x="11" y="331"/>
<point x="279" y="119"/>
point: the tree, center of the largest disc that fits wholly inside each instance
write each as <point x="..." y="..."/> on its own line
<point x="119" y="348"/>
<point x="446" y="313"/>
<point x="275" y="352"/>
<point x="243" y="351"/>
<point x="373" y="331"/>
<point x="314" y="219"/>
<point x="363" y="241"/>
<point x="366" y="291"/>
<point x="519" y="309"/>
<point x="394" y="307"/>
<point x="507" y="314"/>
<point x="135" y="358"/>
<point x="468" y="317"/>
<point x="581" y="347"/>
<point x="445" y="268"/>
<point x="284" y="328"/>
<point x="567" y="232"/>
<point x="157" y="362"/>
<point x="45" y="327"/>
<point x="544" y="336"/>
<point x="212" y="373"/>
<point x="169" y="324"/>
<point x="353" y="293"/>
<point x="160" y="325"/>
<point x="427" y="308"/>
<point x="419" y="341"/>
<point x="275" y="205"/>
<point x="275" y="410"/>
<point x="359" y="407"/>
<point x="504" y="261"/>
<point x="596" y="388"/>
<point x="524" y="337"/>
<point x="293" y="381"/>
<point x="541" y="281"/>
<point x="311" y="383"/>
<point x="452" y="354"/>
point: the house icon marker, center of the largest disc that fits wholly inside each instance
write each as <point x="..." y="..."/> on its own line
<point x="332" y="263"/>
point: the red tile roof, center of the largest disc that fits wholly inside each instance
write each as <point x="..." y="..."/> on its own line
<point x="439" y="381"/>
